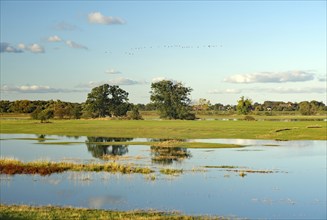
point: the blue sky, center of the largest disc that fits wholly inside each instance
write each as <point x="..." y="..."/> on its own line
<point x="263" y="50"/>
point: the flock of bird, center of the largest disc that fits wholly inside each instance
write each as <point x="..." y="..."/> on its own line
<point x="134" y="50"/>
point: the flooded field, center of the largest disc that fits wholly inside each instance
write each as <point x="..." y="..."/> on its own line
<point x="264" y="179"/>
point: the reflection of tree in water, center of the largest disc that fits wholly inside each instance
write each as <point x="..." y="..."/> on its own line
<point x="99" y="150"/>
<point x="40" y="137"/>
<point x="167" y="155"/>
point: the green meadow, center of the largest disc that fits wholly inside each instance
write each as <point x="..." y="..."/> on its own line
<point x="173" y="129"/>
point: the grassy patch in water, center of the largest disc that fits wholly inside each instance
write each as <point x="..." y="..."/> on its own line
<point x="271" y="145"/>
<point x="222" y="167"/>
<point x="19" y="212"/>
<point x="251" y="171"/>
<point x="169" y="171"/>
<point x="237" y="169"/>
<point x="124" y="157"/>
<point x="172" y="144"/>
<point x="12" y="166"/>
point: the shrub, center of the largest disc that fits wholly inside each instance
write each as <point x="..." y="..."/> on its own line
<point x="135" y="114"/>
<point x="249" y="118"/>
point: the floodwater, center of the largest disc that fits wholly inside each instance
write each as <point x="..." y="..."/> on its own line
<point x="295" y="188"/>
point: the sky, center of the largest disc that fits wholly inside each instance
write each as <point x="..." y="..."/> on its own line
<point x="263" y="50"/>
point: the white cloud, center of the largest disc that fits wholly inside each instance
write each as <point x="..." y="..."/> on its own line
<point x="112" y="71"/>
<point x="21" y="46"/>
<point x="271" y="77"/>
<point x="98" y="18"/>
<point x="119" y="82"/>
<point x="159" y="78"/>
<point x="90" y="84"/>
<point x="35" y="48"/>
<point x="64" y="26"/>
<point x="296" y="90"/>
<point x="7" y="48"/>
<point x="124" y="81"/>
<point x="225" y="91"/>
<point x="35" y="89"/>
<point x="54" y="38"/>
<point x="278" y="90"/>
<point x="74" y="45"/>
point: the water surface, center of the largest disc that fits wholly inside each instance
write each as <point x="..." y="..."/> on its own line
<point x="295" y="190"/>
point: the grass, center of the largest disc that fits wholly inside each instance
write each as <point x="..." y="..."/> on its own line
<point x="242" y="172"/>
<point x="12" y="166"/>
<point x="164" y="144"/>
<point x="19" y="212"/>
<point x="173" y="129"/>
<point x="222" y="167"/>
<point x="169" y="171"/>
<point x="124" y="157"/>
<point x="251" y="171"/>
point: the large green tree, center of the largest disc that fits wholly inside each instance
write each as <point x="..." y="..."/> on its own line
<point x="172" y="100"/>
<point x="106" y="100"/>
<point x="244" y="106"/>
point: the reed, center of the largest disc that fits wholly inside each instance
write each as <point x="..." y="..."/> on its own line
<point x="12" y="166"/>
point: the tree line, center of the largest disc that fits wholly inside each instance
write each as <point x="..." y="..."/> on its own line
<point x="169" y="98"/>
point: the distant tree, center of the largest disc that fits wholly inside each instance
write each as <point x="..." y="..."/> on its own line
<point x="308" y="108"/>
<point x="5" y="106"/>
<point x="42" y="115"/>
<point x="202" y="105"/>
<point x="172" y="100"/>
<point x="45" y="115"/>
<point x="244" y="106"/>
<point x="140" y="107"/>
<point x="76" y="111"/>
<point x="217" y="107"/>
<point x="135" y="114"/>
<point x="36" y="112"/>
<point x="106" y="100"/>
<point x="150" y="107"/>
<point x="59" y="109"/>
<point x="22" y="106"/>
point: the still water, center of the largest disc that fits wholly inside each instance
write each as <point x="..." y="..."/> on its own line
<point x="296" y="189"/>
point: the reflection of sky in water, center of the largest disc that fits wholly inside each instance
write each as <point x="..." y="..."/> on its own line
<point x="296" y="191"/>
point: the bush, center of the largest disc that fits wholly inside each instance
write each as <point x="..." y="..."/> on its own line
<point x="188" y="116"/>
<point x="135" y="114"/>
<point x="43" y="115"/>
<point x="249" y="118"/>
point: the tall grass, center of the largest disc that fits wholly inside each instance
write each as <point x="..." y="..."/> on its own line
<point x="12" y="166"/>
<point x="54" y="212"/>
